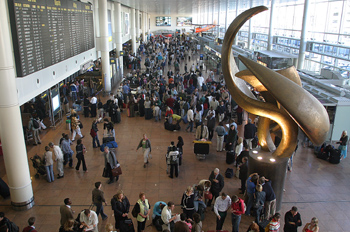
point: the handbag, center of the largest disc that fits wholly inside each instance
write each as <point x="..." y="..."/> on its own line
<point x="81" y="125"/>
<point x="93" y="133"/>
<point x="208" y="195"/>
<point x="117" y="171"/>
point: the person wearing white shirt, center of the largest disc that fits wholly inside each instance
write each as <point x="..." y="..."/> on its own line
<point x="93" y="102"/>
<point x="89" y="219"/>
<point x="58" y="158"/>
<point x="222" y="204"/>
<point x="190" y="119"/>
<point x="166" y="216"/>
<point x="200" y="81"/>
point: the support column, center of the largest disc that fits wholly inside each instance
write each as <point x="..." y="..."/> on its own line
<point x="11" y="131"/>
<point x="271" y="26"/>
<point x="118" y="34"/>
<point x="143" y="28"/>
<point x="137" y="25"/>
<point x="235" y="42"/>
<point x="133" y="30"/>
<point x="226" y="15"/>
<point x="104" y="44"/>
<point x="96" y="26"/>
<point x="149" y="26"/>
<point x="303" y="36"/>
<point x="250" y="29"/>
<point x="218" y="30"/>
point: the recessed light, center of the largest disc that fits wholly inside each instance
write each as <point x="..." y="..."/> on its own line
<point x="272" y="160"/>
<point x="259" y="158"/>
<point x="255" y="152"/>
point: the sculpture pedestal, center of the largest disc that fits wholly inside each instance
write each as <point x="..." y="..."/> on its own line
<point x="273" y="169"/>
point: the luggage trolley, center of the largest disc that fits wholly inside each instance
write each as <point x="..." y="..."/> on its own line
<point x="201" y="148"/>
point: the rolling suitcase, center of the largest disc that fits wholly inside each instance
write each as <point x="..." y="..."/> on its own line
<point x="335" y="156"/>
<point x="230" y="157"/>
<point x="4" y="189"/>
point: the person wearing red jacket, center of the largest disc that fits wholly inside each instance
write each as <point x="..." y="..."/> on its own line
<point x="237" y="209"/>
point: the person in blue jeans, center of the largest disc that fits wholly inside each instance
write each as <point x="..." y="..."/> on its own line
<point x="251" y="185"/>
<point x="48" y="162"/>
<point x="95" y="139"/>
<point x="237" y="209"/>
<point x="98" y="200"/>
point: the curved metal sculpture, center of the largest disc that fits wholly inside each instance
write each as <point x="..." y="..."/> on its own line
<point x="285" y="102"/>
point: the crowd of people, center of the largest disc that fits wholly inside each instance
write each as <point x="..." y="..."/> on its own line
<point x="205" y="104"/>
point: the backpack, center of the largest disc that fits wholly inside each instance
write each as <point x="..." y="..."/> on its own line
<point x="35" y="124"/>
<point x="229" y="173"/>
<point x="12" y="227"/>
<point x="136" y="210"/>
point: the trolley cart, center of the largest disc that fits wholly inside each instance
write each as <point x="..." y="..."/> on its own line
<point x="201" y="148"/>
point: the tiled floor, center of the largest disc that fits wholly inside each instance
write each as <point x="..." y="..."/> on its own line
<point x="316" y="187"/>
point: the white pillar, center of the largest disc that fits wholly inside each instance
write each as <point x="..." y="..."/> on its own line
<point x="218" y="27"/>
<point x="148" y="25"/>
<point x="118" y="33"/>
<point x="303" y="36"/>
<point x="250" y="29"/>
<point x="226" y="15"/>
<point x="11" y="131"/>
<point x="235" y="42"/>
<point x="270" y="38"/>
<point x="137" y="24"/>
<point x="104" y="44"/>
<point x="133" y="30"/>
<point x="143" y="26"/>
<point x="97" y="29"/>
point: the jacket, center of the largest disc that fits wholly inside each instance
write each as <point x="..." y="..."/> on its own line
<point x="239" y="206"/>
<point x="216" y="187"/>
<point x="205" y="132"/>
<point x="148" y="144"/>
<point x="111" y="157"/>
<point x="66" y="214"/>
<point x="141" y="206"/>
<point x="98" y="196"/>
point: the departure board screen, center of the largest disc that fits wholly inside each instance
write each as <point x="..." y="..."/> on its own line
<point x="45" y="32"/>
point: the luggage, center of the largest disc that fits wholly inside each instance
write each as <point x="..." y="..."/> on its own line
<point x="201" y="148"/>
<point x="323" y="155"/>
<point x="107" y="139"/>
<point x="230" y="157"/>
<point x="118" y="117"/>
<point x="158" y="222"/>
<point x="334" y="157"/>
<point x="127" y="226"/>
<point x="4" y="189"/>
<point x="263" y="224"/>
<point x="184" y="119"/>
<point x="229" y="173"/>
<point x="111" y="144"/>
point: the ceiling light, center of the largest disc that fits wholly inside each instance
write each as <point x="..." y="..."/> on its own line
<point x="272" y="160"/>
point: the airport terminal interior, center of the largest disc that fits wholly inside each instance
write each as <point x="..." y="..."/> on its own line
<point x="93" y="40"/>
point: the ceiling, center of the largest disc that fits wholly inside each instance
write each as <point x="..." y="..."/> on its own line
<point x="173" y="7"/>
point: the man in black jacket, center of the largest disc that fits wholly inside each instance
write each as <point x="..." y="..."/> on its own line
<point x="270" y="201"/>
<point x="249" y="132"/>
<point x="292" y="220"/>
<point x="243" y="174"/>
<point x="217" y="184"/>
<point x="211" y="125"/>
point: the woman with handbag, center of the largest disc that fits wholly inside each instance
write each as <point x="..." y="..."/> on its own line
<point x="120" y="206"/>
<point x="343" y="144"/>
<point x="111" y="162"/>
<point x="144" y="210"/>
<point x="94" y="134"/>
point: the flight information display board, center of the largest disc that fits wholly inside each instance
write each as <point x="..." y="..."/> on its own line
<point x="45" y="32"/>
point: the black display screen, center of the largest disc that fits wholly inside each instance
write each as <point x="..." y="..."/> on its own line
<point x="45" y="32"/>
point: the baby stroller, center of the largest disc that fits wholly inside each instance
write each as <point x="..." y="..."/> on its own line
<point x="38" y="165"/>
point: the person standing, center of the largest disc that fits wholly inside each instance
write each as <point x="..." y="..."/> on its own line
<point x="80" y="154"/>
<point x="58" y="158"/>
<point x="270" y="202"/>
<point x="174" y="160"/>
<point x="111" y="162"/>
<point x="95" y="138"/>
<point x="237" y="209"/>
<point x="222" y="204"/>
<point x="243" y="174"/>
<point x="249" y="132"/>
<point x="120" y="206"/>
<point x="86" y="104"/>
<point x="217" y="184"/>
<point x="221" y="111"/>
<point x="343" y="144"/>
<point x="190" y="119"/>
<point x="231" y="138"/>
<point x="31" y="227"/>
<point x="93" y="102"/>
<point x="48" y="163"/>
<point x="89" y="219"/>
<point x="67" y="151"/>
<point x="211" y="126"/>
<point x="259" y="201"/>
<point x="98" y="199"/>
<point x="187" y="202"/>
<point x="220" y="133"/>
<point x="292" y="220"/>
<point x="66" y="211"/>
<point x="202" y="132"/>
<point x="33" y="125"/>
<point x="144" y="210"/>
<point x="251" y="185"/>
<point x="145" y="143"/>
<point x="179" y="146"/>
